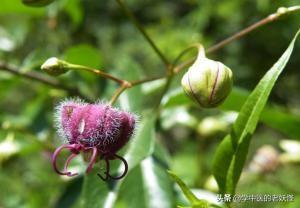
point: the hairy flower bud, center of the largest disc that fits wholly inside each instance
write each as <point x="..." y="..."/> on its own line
<point x="95" y="125"/>
<point x="98" y="130"/>
<point x="207" y="82"/>
<point x="37" y="3"/>
<point x="54" y="66"/>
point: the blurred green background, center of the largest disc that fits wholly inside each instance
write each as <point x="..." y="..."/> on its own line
<point x="98" y="34"/>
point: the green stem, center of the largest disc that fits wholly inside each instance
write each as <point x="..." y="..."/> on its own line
<point x="182" y="53"/>
<point x="165" y="90"/>
<point x="272" y="17"/>
<point x="32" y="75"/>
<point x="134" y="20"/>
<point x="172" y="69"/>
<point x="95" y="71"/>
<point x="118" y="92"/>
<point x="142" y="81"/>
<point x="201" y="52"/>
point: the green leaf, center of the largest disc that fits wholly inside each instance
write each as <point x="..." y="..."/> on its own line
<point x="17" y="7"/>
<point x="97" y="193"/>
<point x="132" y="99"/>
<point x="157" y="185"/>
<point x="129" y="189"/>
<point x="74" y="10"/>
<point x="72" y="191"/>
<point x="86" y="55"/>
<point x="83" y="54"/>
<point x="155" y="189"/>
<point x="187" y="192"/>
<point x="232" y="152"/>
<point x="175" y="98"/>
<point x="195" y="202"/>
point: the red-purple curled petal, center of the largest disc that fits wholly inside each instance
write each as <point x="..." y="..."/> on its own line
<point x="92" y="160"/>
<point x="67" y="164"/>
<point x="74" y="148"/>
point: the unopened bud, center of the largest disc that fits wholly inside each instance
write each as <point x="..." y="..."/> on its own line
<point x="37" y="3"/>
<point x="208" y="82"/>
<point x="54" y="66"/>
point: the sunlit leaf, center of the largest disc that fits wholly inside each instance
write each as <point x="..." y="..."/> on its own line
<point x="158" y="187"/>
<point x="150" y="182"/>
<point x="9" y="7"/>
<point x="75" y="11"/>
<point x="189" y="195"/>
<point x="83" y="54"/>
<point x="195" y="202"/>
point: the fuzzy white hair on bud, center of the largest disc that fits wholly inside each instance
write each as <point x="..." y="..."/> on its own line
<point x="51" y="62"/>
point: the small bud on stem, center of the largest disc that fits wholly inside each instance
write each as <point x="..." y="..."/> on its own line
<point x="208" y="82"/>
<point x="54" y="66"/>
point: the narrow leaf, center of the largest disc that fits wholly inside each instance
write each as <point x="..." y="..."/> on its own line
<point x="187" y="192"/>
<point x="232" y="152"/>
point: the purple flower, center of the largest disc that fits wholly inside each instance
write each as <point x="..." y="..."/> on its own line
<point x="97" y="129"/>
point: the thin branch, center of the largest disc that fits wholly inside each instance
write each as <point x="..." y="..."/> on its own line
<point x="171" y="69"/>
<point x="164" y="91"/>
<point x="96" y="71"/>
<point x="271" y="18"/>
<point x="197" y="46"/>
<point x="32" y="75"/>
<point x="280" y="12"/>
<point x="183" y="65"/>
<point x="142" y="81"/>
<point x="134" y="20"/>
<point x="118" y="92"/>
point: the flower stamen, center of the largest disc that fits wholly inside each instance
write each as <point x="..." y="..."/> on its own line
<point x="107" y="172"/>
<point x="67" y="164"/>
<point x="92" y="160"/>
<point x="125" y="168"/>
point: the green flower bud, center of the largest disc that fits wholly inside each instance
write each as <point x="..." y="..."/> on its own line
<point x="207" y="82"/>
<point x="37" y="3"/>
<point x="55" y="67"/>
